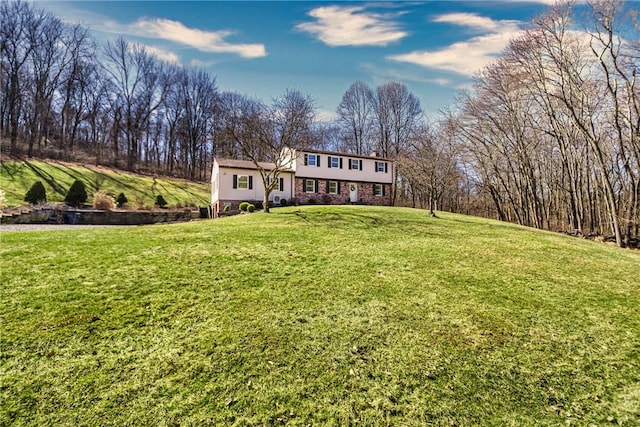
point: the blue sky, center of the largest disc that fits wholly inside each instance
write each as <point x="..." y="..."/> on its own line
<point x="261" y="48"/>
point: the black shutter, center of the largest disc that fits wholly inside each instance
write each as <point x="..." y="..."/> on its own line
<point x="360" y="164"/>
<point x="281" y="182"/>
<point x="250" y="182"/>
<point x="306" y="159"/>
<point x="383" y="189"/>
<point x="340" y="162"/>
<point x="317" y="160"/>
<point x="338" y="189"/>
<point x="329" y="162"/>
<point x="386" y="170"/>
<point x="376" y="166"/>
<point x="235" y="181"/>
<point x="317" y="186"/>
<point x="349" y="163"/>
<point x="327" y="187"/>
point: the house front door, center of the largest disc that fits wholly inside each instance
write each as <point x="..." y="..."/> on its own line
<point x="353" y="192"/>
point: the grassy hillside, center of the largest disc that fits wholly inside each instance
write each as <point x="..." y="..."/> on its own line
<point x="318" y="316"/>
<point x="16" y="177"/>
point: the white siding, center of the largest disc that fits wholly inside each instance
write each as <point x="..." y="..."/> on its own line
<point x="367" y="174"/>
<point x="222" y="185"/>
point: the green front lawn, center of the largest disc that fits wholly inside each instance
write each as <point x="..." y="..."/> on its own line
<point x="318" y="316"/>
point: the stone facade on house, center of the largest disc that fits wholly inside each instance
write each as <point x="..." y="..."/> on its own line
<point x="322" y="195"/>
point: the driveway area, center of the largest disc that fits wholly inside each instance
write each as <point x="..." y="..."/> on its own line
<point x="5" y="228"/>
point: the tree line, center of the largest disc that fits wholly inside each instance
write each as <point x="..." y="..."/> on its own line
<point x="547" y="137"/>
<point x="63" y="94"/>
<point x="550" y="134"/>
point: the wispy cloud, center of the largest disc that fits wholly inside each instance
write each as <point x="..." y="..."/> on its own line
<point x="470" y="20"/>
<point x="547" y="2"/>
<point x="324" y="115"/>
<point x="205" y="41"/>
<point x="163" y="54"/>
<point x="352" y="26"/>
<point x="469" y="56"/>
<point x="385" y="74"/>
<point x="200" y="63"/>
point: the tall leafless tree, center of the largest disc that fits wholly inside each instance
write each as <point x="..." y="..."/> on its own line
<point x="141" y="83"/>
<point x="355" y="118"/>
<point x="16" y="21"/>
<point x="396" y="114"/>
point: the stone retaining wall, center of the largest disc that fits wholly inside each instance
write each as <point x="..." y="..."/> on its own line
<point x="98" y="217"/>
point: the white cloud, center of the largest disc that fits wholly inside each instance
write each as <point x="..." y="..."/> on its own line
<point x="471" y="20"/>
<point x="200" y="63"/>
<point x="324" y="115"/>
<point x="205" y="41"/>
<point x="382" y="75"/>
<point x="163" y="54"/>
<point x="547" y="2"/>
<point x="469" y="56"/>
<point x="351" y="26"/>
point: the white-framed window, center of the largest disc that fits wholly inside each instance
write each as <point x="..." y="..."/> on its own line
<point x="381" y="167"/>
<point x="332" y="187"/>
<point x="310" y="186"/>
<point x="243" y="182"/>
<point x="355" y="164"/>
<point x="312" y="160"/>
<point x="378" y="189"/>
<point x="335" y="162"/>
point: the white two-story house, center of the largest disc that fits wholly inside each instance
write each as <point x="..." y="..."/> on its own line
<point x="334" y="178"/>
<point x="312" y="176"/>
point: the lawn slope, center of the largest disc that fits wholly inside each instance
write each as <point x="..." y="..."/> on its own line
<point x="318" y="316"/>
<point x="16" y="177"/>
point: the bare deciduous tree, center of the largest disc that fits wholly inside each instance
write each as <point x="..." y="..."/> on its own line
<point x="551" y="129"/>
<point x="141" y="83"/>
<point x="266" y="133"/>
<point x="16" y="20"/>
<point x="354" y="117"/>
<point x="396" y="114"/>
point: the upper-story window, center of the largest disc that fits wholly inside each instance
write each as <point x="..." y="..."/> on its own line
<point x="355" y="164"/>
<point x="335" y="162"/>
<point x="312" y="160"/>
<point x="381" y="167"/>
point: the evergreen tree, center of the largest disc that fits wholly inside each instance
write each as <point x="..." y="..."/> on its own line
<point x="160" y="201"/>
<point x="36" y="194"/>
<point x="77" y="194"/>
<point x="121" y="200"/>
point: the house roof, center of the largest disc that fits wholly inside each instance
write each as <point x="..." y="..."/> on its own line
<point x="246" y="164"/>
